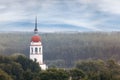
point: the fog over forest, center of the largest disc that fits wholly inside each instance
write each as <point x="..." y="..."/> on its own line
<point x="65" y="48"/>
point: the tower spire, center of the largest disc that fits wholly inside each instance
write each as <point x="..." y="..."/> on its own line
<point x="35" y="30"/>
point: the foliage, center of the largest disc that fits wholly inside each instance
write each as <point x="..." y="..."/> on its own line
<point x="28" y="64"/>
<point x="54" y="74"/>
<point x="99" y="70"/>
<point x="4" y="76"/>
<point x="77" y="74"/>
<point x="19" y="67"/>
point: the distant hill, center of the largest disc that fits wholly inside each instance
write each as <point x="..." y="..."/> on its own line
<point x="64" y="49"/>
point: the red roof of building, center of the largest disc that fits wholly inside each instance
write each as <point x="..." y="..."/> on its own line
<point x="35" y="38"/>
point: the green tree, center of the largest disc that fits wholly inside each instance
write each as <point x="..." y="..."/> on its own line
<point x="114" y="69"/>
<point x="19" y="67"/>
<point x="94" y="69"/>
<point x="77" y="74"/>
<point x="28" y="64"/>
<point x="4" y="76"/>
<point x="28" y="75"/>
<point x="17" y="71"/>
<point x="54" y="74"/>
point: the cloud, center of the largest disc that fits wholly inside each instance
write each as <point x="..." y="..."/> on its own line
<point x="95" y="15"/>
<point x="82" y="23"/>
<point x="109" y="6"/>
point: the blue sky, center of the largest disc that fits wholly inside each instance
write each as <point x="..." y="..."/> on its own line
<point x="60" y="15"/>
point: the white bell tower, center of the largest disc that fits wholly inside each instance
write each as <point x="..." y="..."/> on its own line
<point x="36" y="49"/>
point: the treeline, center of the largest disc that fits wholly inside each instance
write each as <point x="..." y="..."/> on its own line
<point x="64" y="49"/>
<point x="19" y="67"/>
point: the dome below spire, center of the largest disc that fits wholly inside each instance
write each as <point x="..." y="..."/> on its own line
<point x="35" y="38"/>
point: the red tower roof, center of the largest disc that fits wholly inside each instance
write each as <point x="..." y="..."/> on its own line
<point x="35" y="38"/>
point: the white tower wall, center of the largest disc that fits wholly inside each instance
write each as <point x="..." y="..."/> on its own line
<point x="36" y="53"/>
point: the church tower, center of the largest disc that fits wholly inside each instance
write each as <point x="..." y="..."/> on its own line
<point x="36" y="48"/>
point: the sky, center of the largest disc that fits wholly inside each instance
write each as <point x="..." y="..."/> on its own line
<point x="60" y="15"/>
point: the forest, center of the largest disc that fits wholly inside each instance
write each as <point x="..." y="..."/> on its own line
<point x="19" y="67"/>
<point x="64" y="49"/>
